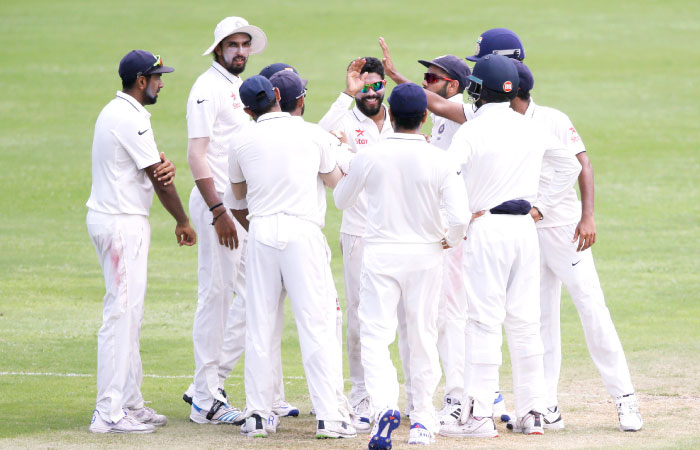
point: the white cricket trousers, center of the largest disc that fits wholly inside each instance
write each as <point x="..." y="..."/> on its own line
<point x="559" y="261"/>
<point x="288" y="252"/>
<point x="408" y="274"/>
<point x="217" y="270"/>
<point x="452" y="322"/>
<point x="122" y="243"/>
<point x="501" y="266"/>
<point x="352" y="249"/>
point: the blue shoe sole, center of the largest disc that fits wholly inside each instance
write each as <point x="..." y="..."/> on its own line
<point x="381" y="440"/>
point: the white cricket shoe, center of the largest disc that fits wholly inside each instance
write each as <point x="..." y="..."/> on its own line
<point x="420" y="435"/>
<point x="188" y="396"/>
<point x="334" y="429"/>
<point x="273" y="423"/>
<point x="363" y="416"/>
<point x="127" y="424"/>
<point x="147" y="415"/>
<point x="552" y="420"/>
<point x="449" y="404"/>
<point x="530" y="424"/>
<point x="499" y="408"/>
<point x="220" y="413"/>
<point x="384" y="424"/>
<point x="470" y="426"/>
<point x="284" y="409"/>
<point x="453" y="417"/>
<point x="254" y="427"/>
<point x="628" y="413"/>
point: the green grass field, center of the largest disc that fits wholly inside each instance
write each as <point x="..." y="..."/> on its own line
<point x="625" y="72"/>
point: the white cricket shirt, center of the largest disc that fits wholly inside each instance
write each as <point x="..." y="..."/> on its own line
<point x="280" y="158"/>
<point x="501" y="153"/>
<point x="444" y="129"/>
<point x="215" y="110"/>
<point x="568" y="210"/>
<point x="405" y="180"/>
<point x="362" y="133"/>
<point x="122" y="147"/>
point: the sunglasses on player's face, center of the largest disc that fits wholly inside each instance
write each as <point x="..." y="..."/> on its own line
<point x="431" y="78"/>
<point x="376" y="86"/>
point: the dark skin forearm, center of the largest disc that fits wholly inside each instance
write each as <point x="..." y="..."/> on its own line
<point x="240" y="215"/>
<point x="585" y="232"/>
<point x="167" y="194"/>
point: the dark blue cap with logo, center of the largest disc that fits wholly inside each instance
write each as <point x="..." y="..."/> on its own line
<point x="408" y="100"/>
<point x="453" y="66"/>
<point x="140" y="62"/>
<point x="272" y="69"/>
<point x="500" y="41"/>
<point x="290" y="85"/>
<point x="497" y="73"/>
<point x="527" y="81"/>
<point x="257" y="93"/>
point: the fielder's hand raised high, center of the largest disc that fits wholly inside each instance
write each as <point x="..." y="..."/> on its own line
<point x="355" y="80"/>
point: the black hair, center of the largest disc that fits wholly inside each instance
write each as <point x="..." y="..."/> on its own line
<point x="373" y="65"/>
<point x="491" y="96"/>
<point x="408" y="123"/>
<point x="289" y="106"/>
<point x="265" y="109"/>
<point x="128" y="84"/>
<point x="523" y="95"/>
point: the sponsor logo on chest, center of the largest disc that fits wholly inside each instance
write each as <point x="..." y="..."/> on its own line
<point x="236" y="101"/>
<point x="360" y="137"/>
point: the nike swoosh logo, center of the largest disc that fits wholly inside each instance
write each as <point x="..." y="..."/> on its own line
<point x="141" y="132"/>
<point x="459" y="172"/>
<point x="201" y="101"/>
<point x="573" y="264"/>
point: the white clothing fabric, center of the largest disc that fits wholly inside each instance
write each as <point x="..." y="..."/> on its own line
<point x="121" y="242"/>
<point x="408" y="274"/>
<point x="215" y="111"/>
<point x="500" y="177"/>
<point x="407" y="180"/>
<point x="123" y="145"/>
<point x="362" y="133"/>
<point x="568" y="209"/>
<point x="561" y="262"/>
<point x="444" y="129"/>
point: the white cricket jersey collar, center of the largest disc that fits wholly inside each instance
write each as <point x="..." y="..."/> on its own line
<point x="530" y="112"/>
<point x="360" y="116"/>
<point x="491" y="107"/>
<point x="233" y="79"/>
<point x="407" y="137"/>
<point x="133" y="102"/>
<point x="272" y="115"/>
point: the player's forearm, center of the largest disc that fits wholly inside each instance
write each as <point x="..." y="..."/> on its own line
<point x="241" y="215"/>
<point x="197" y="158"/>
<point x="585" y="185"/>
<point x="445" y="108"/>
<point x="208" y="190"/>
<point x="171" y="202"/>
<point x="332" y="119"/>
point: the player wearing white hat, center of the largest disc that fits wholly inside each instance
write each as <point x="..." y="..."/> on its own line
<point x="405" y="180"/>
<point x="566" y="235"/>
<point x="274" y="165"/>
<point x="124" y="164"/>
<point x="501" y="258"/>
<point x="214" y="116"/>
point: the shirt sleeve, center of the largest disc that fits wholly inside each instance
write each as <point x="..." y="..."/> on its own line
<point x="566" y="170"/>
<point x="456" y="204"/>
<point x="230" y="201"/>
<point x="136" y="136"/>
<point x="201" y="112"/>
<point x="568" y="135"/>
<point x="469" y="112"/>
<point x="332" y="120"/>
<point x="235" y="173"/>
<point x="349" y="187"/>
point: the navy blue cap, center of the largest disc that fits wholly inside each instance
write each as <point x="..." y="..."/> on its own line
<point x="501" y="41"/>
<point x="453" y="66"/>
<point x="272" y="69"/>
<point x="256" y="93"/>
<point x="497" y="73"/>
<point x="408" y="100"/>
<point x="291" y="86"/>
<point x="527" y="81"/>
<point x="140" y="62"/>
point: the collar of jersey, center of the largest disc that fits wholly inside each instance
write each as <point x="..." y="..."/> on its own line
<point x="407" y="137"/>
<point x="491" y="107"/>
<point x="362" y="118"/>
<point x="530" y="112"/>
<point x="272" y="115"/>
<point x="224" y="73"/>
<point x="133" y="102"/>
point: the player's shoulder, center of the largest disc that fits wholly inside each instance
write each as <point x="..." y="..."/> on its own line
<point x="551" y="114"/>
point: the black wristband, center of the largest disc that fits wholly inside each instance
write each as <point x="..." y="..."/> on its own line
<point x="216" y="206"/>
<point x="217" y="216"/>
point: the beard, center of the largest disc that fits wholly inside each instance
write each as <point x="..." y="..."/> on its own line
<point x="150" y="98"/>
<point x="235" y="66"/>
<point x="367" y="110"/>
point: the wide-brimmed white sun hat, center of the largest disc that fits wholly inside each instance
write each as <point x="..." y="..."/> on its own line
<point x="232" y="25"/>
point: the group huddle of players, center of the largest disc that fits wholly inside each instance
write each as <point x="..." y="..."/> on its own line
<point x="447" y="238"/>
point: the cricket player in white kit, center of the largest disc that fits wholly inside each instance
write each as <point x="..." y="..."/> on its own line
<point x="124" y="161"/>
<point x="214" y="116"/>
<point x="565" y="236"/>
<point x="501" y="259"/>
<point x="275" y="164"/>
<point x="405" y="180"/>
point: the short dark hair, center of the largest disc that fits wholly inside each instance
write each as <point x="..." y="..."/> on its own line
<point x="128" y="84"/>
<point x="523" y="95"/>
<point x="408" y="123"/>
<point x="373" y="65"/>
<point x="491" y="96"/>
<point x="289" y="106"/>
<point x="265" y="109"/>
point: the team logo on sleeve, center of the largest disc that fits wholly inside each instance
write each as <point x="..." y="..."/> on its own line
<point x="507" y="86"/>
<point x="359" y="139"/>
<point x="574" y="135"/>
